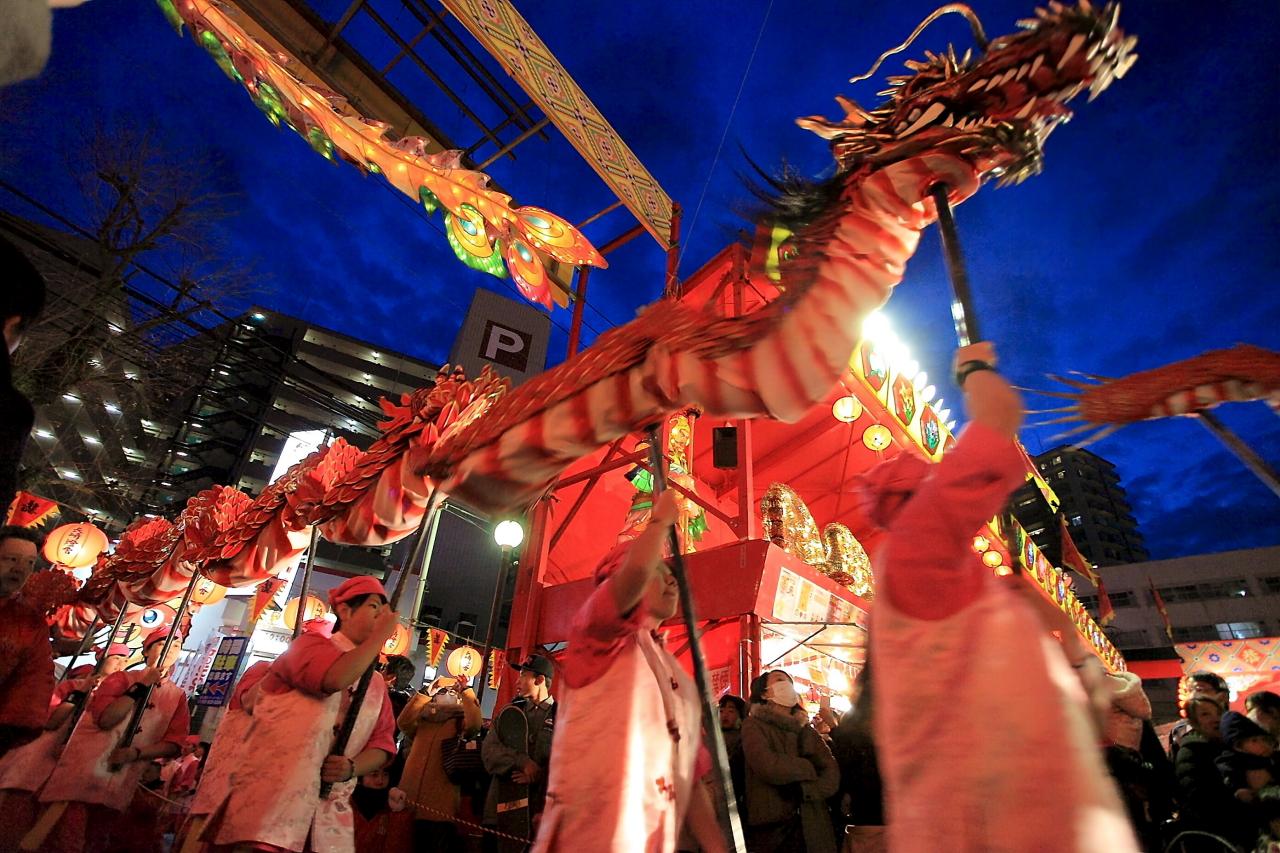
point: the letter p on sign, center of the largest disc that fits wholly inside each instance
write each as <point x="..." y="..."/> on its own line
<point x="508" y="347"/>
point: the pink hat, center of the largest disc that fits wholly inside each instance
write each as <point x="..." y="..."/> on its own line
<point x="155" y="636"/>
<point x="883" y="490"/>
<point x="354" y="588"/>
<point x="115" y="649"/>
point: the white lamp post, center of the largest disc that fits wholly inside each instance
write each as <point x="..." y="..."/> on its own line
<point x="508" y="534"/>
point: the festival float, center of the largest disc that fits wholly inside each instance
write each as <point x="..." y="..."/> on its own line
<point x="759" y="342"/>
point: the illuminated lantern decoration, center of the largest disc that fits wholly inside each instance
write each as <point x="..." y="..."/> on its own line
<point x="75" y="546"/>
<point x="992" y="558"/>
<point x="156" y="617"/>
<point x="980" y="544"/>
<point x="398" y="642"/>
<point x="877" y="437"/>
<point x="208" y="592"/>
<point x="847" y="409"/>
<point x="315" y="609"/>
<point x="873" y="366"/>
<point x="1003" y="571"/>
<point x="528" y="273"/>
<point x="464" y="661"/>
<point x="930" y="430"/>
<point x="904" y="401"/>
<point x="468" y="235"/>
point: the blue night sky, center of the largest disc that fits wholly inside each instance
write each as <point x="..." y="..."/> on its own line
<point x="1150" y="237"/>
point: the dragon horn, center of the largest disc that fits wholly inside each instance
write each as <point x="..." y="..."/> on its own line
<point x="1083" y="386"/>
<point x="1065" y="395"/>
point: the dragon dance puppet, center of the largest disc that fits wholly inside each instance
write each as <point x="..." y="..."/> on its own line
<point x="956" y="120"/>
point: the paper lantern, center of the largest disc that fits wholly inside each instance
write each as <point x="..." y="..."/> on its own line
<point x="398" y="642"/>
<point x="877" y="437"/>
<point x="315" y="609"/>
<point x="208" y="592"/>
<point x="992" y="558"/>
<point x="75" y="545"/>
<point x="1003" y="571"/>
<point x="847" y="409"/>
<point x="464" y="661"/>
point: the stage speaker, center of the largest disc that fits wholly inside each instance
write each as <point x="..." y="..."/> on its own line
<point x="724" y="447"/>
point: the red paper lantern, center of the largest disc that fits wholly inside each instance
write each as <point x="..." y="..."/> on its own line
<point x="75" y="546"/>
<point x="398" y="642"/>
<point x="464" y="661"/>
<point x="315" y="609"/>
<point x="208" y="592"/>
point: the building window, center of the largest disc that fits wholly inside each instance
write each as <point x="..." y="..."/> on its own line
<point x="1077" y="520"/>
<point x="1062" y="475"/>
<point x="1207" y="591"/>
<point x="1238" y="630"/>
<point x="1122" y="599"/>
<point x="1130" y="639"/>
<point x="1057" y="460"/>
<point x="1196" y="633"/>
<point x="1271" y="585"/>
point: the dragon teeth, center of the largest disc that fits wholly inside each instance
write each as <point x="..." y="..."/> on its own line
<point x="993" y="82"/>
<point x="1023" y="71"/>
<point x="1026" y="111"/>
<point x="948" y="121"/>
<point x="929" y="115"/>
<point x="1039" y="60"/>
<point x="1077" y="41"/>
<point x="980" y="84"/>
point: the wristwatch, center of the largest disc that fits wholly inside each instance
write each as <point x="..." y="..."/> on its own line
<point x="966" y="369"/>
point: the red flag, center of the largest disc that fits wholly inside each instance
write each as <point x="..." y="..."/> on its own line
<point x="497" y="659"/>
<point x="262" y="597"/>
<point x="1071" y="556"/>
<point x="436" y="641"/>
<point x="1106" y="613"/>
<point x="1164" y="611"/>
<point x="28" y="510"/>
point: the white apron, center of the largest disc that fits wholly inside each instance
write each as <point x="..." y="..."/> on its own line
<point x="27" y="768"/>
<point x="224" y="757"/>
<point x="274" y="792"/>
<point x="619" y="783"/>
<point x="983" y="735"/>
<point x="83" y="774"/>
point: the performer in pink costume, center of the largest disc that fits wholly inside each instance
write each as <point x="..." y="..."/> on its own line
<point x="628" y="735"/>
<point x="95" y="776"/>
<point x="23" y="771"/>
<point x="273" y="800"/>
<point x="964" y="770"/>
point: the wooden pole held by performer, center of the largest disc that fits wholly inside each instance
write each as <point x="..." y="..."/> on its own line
<point x="416" y="554"/>
<point x="83" y="701"/>
<point x="84" y="644"/>
<point x="1243" y="452"/>
<point x="710" y="716"/>
<point x="306" y="580"/>
<point x="962" y="313"/>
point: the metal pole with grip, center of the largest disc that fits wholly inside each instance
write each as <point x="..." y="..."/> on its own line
<point x="1243" y="452"/>
<point x="962" y="313"/>
<point x="82" y="701"/>
<point x="84" y="644"/>
<point x="306" y="580"/>
<point x="710" y="716"/>
<point x="416" y="553"/>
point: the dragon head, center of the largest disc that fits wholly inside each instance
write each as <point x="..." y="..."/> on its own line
<point x="995" y="108"/>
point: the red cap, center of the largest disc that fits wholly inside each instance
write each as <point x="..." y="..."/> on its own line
<point x="155" y="636"/>
<point x="115" y="649"/>
<point x="883" y="490"/>
<point x="191" y="740"/>
<point x="354" y="588"/>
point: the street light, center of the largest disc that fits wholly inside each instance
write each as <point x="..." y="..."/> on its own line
<point x="508" y="534"/>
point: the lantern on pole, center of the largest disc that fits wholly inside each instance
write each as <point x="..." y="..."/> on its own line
<point x="398" y="642"/>
<point x="314" y="609"/>
<point x="464" y="661"/>
<point x="208" y="592"/>
<point x="75" y="546"/>
<point x="847" y="409"/>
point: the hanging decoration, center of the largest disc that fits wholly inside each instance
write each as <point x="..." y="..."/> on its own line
<point x="262" y="597"/>
<point x="208" y="592"/>
<point x="398" y="642"/>
<point x="437" y="639"/>
<point x="464" y="662"/>
<point x="846" y="409"/>
<point x="497" y="661"/>
<point x="314" y="609"/>
<point x="877" y="437"/>
<point x="692" y="520"/>
<point x="835" y="552"/>
<point x="28" y="510"/>
<point x="75" y="546"/>
<point x="481" y="225"/>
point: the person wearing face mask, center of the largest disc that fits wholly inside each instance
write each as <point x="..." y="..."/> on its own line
<point x="790" y="772"/>
<point x="439" y="714"/>
<point x="273" y="797"/>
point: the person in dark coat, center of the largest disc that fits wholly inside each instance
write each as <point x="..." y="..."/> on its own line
<point x="1205" y="802"/>
<point x="21" y="301"/>
<point x="861" y="798"/>
<point x="733" y="710"/>
<point x="1203" y="683"/>
<point x="791" y="772"/>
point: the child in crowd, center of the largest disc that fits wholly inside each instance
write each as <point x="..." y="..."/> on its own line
<point x="1246" y="763"/>
<point x="383" y="824"/>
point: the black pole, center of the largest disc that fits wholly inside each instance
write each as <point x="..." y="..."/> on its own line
<point x="501" y="585"/>
<point x="140" y="705"/>
<point x="1243" y="452"/>
<point x="306" y="580"/>
<point x="83" y="700"/>
<point x="348" y="725"/>
<point x="962" y="313"/>
<point x="84" y="644"/>
<point x="710" y="716"/>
